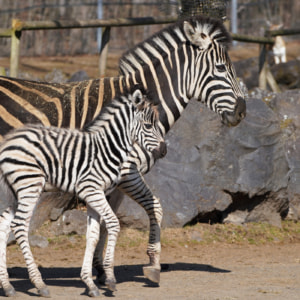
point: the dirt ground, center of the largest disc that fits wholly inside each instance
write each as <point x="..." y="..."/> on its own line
<point x="254" y="261"/>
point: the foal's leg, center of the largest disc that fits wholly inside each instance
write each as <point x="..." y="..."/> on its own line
<point x="115" y="199"/>
<point x="92" y="236"/>
<point x="27" y="199"/>
<point x="97" y="201"/>
<point x="5" y="221"/>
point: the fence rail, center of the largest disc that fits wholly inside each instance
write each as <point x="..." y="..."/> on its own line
<point x="5" y="32"/>
<point x="18" y="26"/>
<point x="70" y="24"/>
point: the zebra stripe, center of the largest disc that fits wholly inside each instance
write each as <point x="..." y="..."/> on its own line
<point x="86" y="163"/>
<point x="186" y="60"/>
<point x="69" y="105"/>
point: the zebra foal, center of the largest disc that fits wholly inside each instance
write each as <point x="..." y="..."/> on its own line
<point x="86" y="163"/>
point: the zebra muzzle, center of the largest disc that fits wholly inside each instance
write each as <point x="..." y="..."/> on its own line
<point x="234" y="118"/>
<point x="160" y="151"/>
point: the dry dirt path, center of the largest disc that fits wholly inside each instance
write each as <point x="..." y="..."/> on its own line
<point x="215" y="271"/>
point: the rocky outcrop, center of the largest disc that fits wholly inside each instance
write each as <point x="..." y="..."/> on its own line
<point x="217" y="174"/>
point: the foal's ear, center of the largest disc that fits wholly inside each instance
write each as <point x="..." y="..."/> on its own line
<point x="137" y="97"/>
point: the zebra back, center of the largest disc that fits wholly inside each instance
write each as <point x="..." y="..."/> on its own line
<point x="62" y="156"/>
<point x="70" y="105"/>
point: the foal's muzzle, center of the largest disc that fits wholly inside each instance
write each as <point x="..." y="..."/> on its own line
<point x="160" y="151"/>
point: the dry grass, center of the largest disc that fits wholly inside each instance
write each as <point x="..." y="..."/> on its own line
<point x="190" y="241"/>
<point x="250" y="233"/>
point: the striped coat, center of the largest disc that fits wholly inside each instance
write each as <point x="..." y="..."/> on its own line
<point x="84" y="162"/>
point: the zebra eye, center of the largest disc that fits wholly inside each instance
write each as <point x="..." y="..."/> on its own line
<point x="221" y="68"/>
<point x="148" y="126"/>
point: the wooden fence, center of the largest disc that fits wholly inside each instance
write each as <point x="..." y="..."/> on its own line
<point x="18" y="26"/>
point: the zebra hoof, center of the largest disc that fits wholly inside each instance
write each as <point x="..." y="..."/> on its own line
<point x="10" y="292"/>
<point x="94" y="292"/>
<point x="152" y="274"/>
<point x="44" y="292"/>
<point x="111" y="285"/>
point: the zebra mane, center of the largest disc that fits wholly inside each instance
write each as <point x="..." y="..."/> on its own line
<point x="117" y="103"/>
<point x="107" y="111"/>
<point x="213" y="28"/>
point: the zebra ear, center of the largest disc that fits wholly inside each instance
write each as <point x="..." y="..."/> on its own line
<point x="197" y="36"/>
<point x="137" y="97"/>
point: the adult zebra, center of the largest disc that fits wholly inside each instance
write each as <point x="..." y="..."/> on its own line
<point x="86" y="163"/>
<point x="185" y="60"/>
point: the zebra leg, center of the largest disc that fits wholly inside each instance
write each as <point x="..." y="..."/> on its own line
<point x="27" y="200"/>
<point x="115" y="199"/>
<point x="99" y="204"/>
<point x="136" y="188"/>
<point x="92" y="236"/>
<point x="5" y="221"/>
<point x="113" y="229"/>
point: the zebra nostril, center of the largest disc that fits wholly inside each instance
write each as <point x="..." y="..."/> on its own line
<point x="241" y="108"/>
<point x="163" y="147"/>
<point x="160" y="151"/>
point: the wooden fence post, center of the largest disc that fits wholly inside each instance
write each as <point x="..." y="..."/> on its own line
<point x="265" y="75"/>
<point x="104" y="50"/>
<point x="15" y="48"/>
<point x="262" y="77"/>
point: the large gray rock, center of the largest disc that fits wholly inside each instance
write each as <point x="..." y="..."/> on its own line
<point x="287" y="107"/>
<point x="70" y="222"/>
<point x="213" y="173"/>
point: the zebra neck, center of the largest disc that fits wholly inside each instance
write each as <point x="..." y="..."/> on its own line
<point x="116" y="134"/>
<point x="116" y="147"/>
<point x="170" y="97"/>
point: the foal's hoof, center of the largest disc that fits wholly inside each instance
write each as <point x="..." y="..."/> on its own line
<point x="152" y="274"/>
<point x="44" y="292"/>
<point x="10" y="291"/>
<point x="94" y="292"/>
<point x="111" y="285"/>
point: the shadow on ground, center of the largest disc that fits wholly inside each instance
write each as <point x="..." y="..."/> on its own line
<point x="70" y="277"/>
